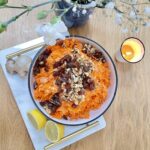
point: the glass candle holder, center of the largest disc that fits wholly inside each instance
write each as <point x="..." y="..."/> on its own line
<point x="132" y="51"/>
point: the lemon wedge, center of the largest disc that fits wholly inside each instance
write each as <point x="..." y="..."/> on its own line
<point x="37" y="119"/>
<point x="53" y="131"/>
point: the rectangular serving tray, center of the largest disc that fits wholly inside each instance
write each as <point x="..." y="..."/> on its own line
<point x="23" y="100"/>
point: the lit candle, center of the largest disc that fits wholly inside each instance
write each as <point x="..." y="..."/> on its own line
<point x="132" y="50"/>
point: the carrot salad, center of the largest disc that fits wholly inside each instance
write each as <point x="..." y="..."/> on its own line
<point x="71" y="79"/>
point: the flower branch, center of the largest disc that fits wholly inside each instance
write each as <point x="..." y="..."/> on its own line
<point x="4" y="25"/>
<point x="14" y="7"/>
<point x="136" y="13"/>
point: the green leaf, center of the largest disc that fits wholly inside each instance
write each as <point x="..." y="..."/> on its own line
<point x="3" y="27"/>
<point x="55" y="19"/>
<point x="42" y="14"/>
<point x="3" y="2"/>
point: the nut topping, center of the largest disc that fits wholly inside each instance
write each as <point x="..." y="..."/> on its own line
<point x="93" y="53"/>
<point x="71" y="73"/>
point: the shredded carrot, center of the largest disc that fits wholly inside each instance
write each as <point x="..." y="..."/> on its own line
<point x="93" y="99"/>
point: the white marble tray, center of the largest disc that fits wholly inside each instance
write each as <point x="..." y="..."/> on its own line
<point x="23" y="100"/>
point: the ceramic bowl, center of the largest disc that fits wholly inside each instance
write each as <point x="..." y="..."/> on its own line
<point x="94" y="114"/>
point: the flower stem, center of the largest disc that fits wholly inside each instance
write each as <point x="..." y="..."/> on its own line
<point x="28" y="9"/>
<point x="16" y="7"/>
<point x="65" y="11"/>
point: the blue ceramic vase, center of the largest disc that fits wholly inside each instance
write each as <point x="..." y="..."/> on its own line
<point x="75" y="18"/>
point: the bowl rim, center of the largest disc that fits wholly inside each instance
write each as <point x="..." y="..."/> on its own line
<point x="116" y="87"/>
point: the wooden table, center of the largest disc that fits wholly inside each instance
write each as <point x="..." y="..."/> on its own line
<point x="128" y="119"/>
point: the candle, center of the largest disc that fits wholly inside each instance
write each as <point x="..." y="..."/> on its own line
<point x="132" y="50"/>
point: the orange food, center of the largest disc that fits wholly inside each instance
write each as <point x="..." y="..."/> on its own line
<point x="92" y="99"/>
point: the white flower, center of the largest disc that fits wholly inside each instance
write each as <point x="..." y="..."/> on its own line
<point x="92" y="4"/>
<point x="99" y="2"/>
<point x="84" y="11"/>
<point x="133" y="1"/>
<point x="124" y="30"/>
<point x="90" y="16"/>
<point x="60" y="27"/>
<point x="52" y="32"/>
<point x="74" y="9"/>
<point x="135" y="30"/>
<point x="132" y="14"/>
<point x="69" y="1"/>
<point x="147" y="10"/>
<point x="110" y="5"/>
<point x="147" y="24"/>
<point x="118" y="18"/>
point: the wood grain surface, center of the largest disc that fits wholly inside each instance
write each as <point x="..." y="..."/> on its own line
<point x="128" y="118"/>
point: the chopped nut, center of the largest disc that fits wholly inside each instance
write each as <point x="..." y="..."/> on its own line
<point x="43" y="80"/>
<point x="48" y="110"/>
<point x="76" y="102"/>
<point x="75" y="79"/>
<point x="92" y="50"/>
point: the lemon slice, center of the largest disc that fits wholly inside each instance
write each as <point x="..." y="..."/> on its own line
<point x="53" y="131"/>
<point x="37" y="118"/>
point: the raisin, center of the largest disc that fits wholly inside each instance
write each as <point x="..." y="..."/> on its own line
<point x="74" y="105"/>
<point x="68" y="87"/>
<point x="56" y="73"/>
<point x="74" y="59"/>
<point x="84" y="50"/>
<point x="81" y="92"/>
<point x="43" y="57"/>
<point x="58" y="82"/>
<point x="50" y="105"/>
<point x="65" y="76"/>
<point x="61" y="70"/>
<point x="63" y="79"/>
<point x="97" y="54"/>
<point x="46" y="68"/>
<point x="73" y="65"/>
<point x="66" y="58"/>
<point x="57" y="64"/>
<point x="35" y="85"/>
<point x="103" y="60"/>
<point x="89" y="53"/>
<point x="60" y="42"/>
<point x="36" y="70"/>
<point x="53" y="103"/>
<point x="86" y="68"/>
<point x="88" y="83"/>
<point x="42" y="63"/>
<point x="91" y="85"/>
<point x="46" y="53"/>
<point x="53" y="109"/>
<point x="55" y="100"/>
<point x="65" y="117"/>
<point x="42" y="103"/>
